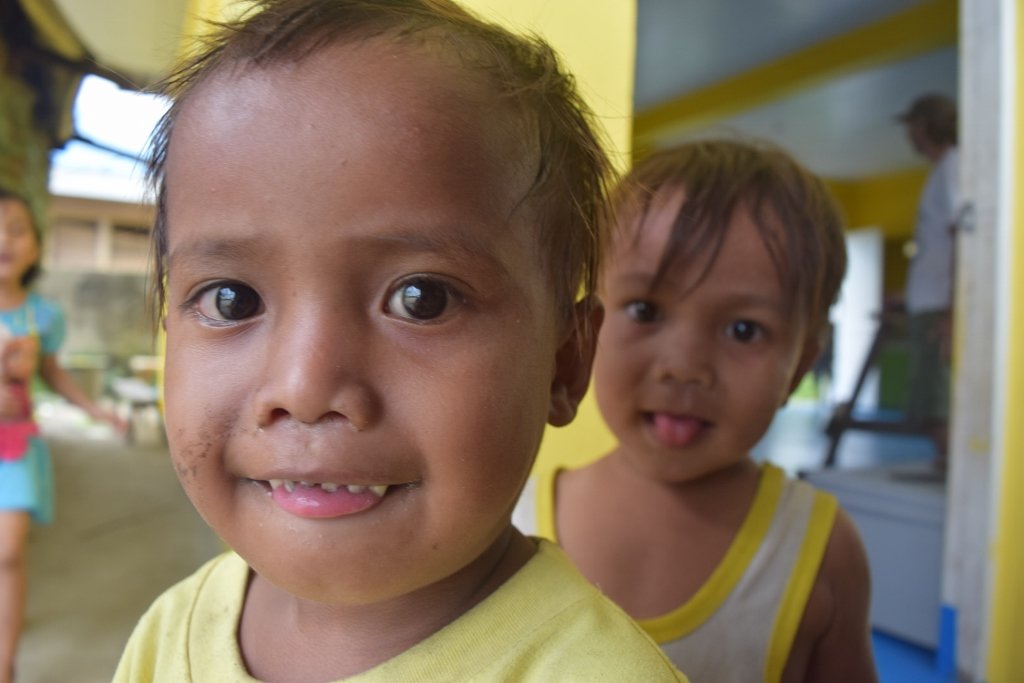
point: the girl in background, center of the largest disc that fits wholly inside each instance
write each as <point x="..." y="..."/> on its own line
<point x="31" y="331"/>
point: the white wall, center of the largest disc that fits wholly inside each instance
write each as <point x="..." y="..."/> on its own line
<point x="855" y="317"/>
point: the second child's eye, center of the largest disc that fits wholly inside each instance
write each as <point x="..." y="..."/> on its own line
<point x="420" y="299"/>
<point x="229" y="302"/>
<point x="745" y="330"/>
<point x="643" y="311"/>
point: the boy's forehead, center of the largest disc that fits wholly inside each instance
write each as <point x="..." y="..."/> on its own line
<point x="644" y="221"/>
<point x="648" y="226"/>
<point x="370" y="137"/>
<point x="425" y="102"/>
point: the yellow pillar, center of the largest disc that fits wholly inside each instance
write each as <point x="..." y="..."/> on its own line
<point x="1006" y="658"/>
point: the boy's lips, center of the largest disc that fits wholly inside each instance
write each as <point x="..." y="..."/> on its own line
<point x="324" y="500"/>
<point x="675" y="431"/>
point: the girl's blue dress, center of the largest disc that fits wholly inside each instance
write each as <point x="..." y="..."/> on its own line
<point x="27" y="483"/>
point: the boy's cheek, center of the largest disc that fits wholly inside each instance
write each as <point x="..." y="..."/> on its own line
<point x="189" y="460"/>
<point x="191" y="414"/>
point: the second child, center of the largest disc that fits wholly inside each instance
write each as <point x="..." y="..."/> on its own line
<point x="717" y="288"/>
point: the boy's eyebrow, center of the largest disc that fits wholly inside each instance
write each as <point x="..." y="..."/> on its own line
<point x="214" y="249"/>
<point x="644" y="278"/>
<point x="458" y="244"/>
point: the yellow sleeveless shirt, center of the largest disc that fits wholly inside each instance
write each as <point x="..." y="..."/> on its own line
<point x="740" y="625"/>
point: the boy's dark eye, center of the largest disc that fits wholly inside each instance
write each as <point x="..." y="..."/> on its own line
<point x="744" y="330"/>
<point x="229" y="302"/>
<point x="643" y="311"/>
<point x="420" y="299"/>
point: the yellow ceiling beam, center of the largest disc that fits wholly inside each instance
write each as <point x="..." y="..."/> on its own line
<point x="914" y="31"/>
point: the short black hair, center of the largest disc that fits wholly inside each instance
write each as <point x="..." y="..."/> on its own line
<point x="937" y="114"/>
<point x="798" y="220"/>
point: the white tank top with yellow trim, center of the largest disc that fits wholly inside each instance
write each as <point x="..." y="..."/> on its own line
<point x="739" y="626"/>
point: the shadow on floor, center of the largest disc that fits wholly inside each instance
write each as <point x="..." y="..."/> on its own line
<point x="124" y="531"/>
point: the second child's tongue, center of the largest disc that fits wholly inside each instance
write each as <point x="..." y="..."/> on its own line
<point x="675" y="430"/>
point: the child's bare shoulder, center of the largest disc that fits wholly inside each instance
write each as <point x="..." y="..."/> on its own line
<point x="833" y="642"/>
<point x="844" y="572"/>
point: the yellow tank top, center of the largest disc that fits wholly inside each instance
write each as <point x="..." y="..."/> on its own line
<point x="740" y="625"/>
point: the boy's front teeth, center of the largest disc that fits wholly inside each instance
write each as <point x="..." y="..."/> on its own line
<point x="289" y="485"/>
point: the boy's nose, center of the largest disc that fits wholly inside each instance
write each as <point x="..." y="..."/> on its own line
<point x="685" y="357"/>
<point x="315" y="372"/>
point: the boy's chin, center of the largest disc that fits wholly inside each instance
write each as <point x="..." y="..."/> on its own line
<point x="391" y="574"/>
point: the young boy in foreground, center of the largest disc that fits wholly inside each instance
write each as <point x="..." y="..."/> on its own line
<point x="716" y="289"/>
<point x="374" y="221"/>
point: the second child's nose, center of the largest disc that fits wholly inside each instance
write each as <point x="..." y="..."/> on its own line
<point x="685" y="357"/>
<point x="316" y="371"/>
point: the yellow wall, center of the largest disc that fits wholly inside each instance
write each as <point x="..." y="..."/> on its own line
<point x="887" y="202"/>
<point x="1006" y="657"/>
<point x="597" y="40"/>
<point x="199" y="14"/>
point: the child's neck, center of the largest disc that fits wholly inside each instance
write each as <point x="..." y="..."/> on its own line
<point x="12" y="295"/>
<point x="651" y="544"/>
<point x="714" y="487"/>
<point x="720" y="497"/>
<point x="283" y="637"/>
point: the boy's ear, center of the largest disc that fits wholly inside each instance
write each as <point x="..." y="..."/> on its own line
<point x="573" y="363"/>
<point x="807" y="357"/>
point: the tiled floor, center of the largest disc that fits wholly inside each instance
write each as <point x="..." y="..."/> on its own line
<point x="125" y="531"/>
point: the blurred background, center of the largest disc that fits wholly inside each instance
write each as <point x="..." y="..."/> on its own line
<point x="822" y="78"/>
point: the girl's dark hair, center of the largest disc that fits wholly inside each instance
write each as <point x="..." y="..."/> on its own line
<point x="33" y="272"/>
<point x="570" y="186"/>
<point x="797" y="218"/>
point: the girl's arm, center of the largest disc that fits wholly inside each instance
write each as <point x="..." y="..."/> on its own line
<point x="61" y="381"/>
<point x="19" y="358"/>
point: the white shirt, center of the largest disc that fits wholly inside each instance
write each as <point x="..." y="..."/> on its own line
<point x="930" y="278"/>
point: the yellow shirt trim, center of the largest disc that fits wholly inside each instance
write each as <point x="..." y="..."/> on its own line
<point x="798" y="589"/>
<point x="723" y="579"/>
<point x="716" y="589"/>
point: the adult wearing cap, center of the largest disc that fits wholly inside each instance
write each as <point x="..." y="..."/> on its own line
<point x="931" y="127"/>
